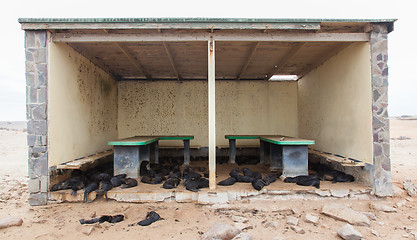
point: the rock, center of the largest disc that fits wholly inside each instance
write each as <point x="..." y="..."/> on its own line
<point x="381" y="223"/>
<point x="381" y="207"/>
<point x="87" y="230"/>
<point x="93" y="215"/>
<point x="243" y="226"/>
<point x="370" y="215"/>
<point x="339" y="193"/>
<point x="375" y="233"/>
<point x="343" y="213"/>
<point x="10" y="221"/>
<point x="293" y="221"/>
<point x="298" y="229"/>
<point x="410" y="188"/>
<point x="239" y="219"/>
<point x="312" y="218"/>
<point x="220" y="231"/>
<point x="349" y="233"/>
<point x="243" y="236"/>
<point x="324" y="193"/>
<point x="400" y="203"/>
<point x="278" y="238"/>
<point x="271" y="224"/>
<point x="296" y="211"/>
<point x="396" y="191"/>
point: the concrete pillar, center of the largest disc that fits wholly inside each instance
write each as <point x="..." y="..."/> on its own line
<point x="382" y="182"/>
<point x="36" y="114"/>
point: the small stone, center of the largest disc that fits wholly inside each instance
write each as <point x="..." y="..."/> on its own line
<point x="370" y="215"/>
<point x="239" y="219"/>
<point x="93" y="215"/>
<point x="10" y="221"/>
<point x="293" y="221"/>
<point x="272" y="224"/>
<point x="324" y="193"/>
<point x="243" y="226"/>
<point x="243" y="236"/>
<point x="410" y="188"/>
<point x="298" y="229"/>
<point x="295" y="211"/>
<point x="400" y="203"/>
<point x="348" y="232"/>
<point x="375" y="233"/>
<point x="220" y="231"/>
<point x="278" y="238"/>
<point x="87" y="230"/>
<point x="381" y="223"/>
<point x="339" y="193"/>
<point x="381" y="207"/>
<point x="105" y="225"/>
<point x="396" y="191"/>
<point x="343" y="213"/>
<point x="312" y="218"/>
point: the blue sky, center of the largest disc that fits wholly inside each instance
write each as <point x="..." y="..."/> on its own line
<point x="402" y="52"/>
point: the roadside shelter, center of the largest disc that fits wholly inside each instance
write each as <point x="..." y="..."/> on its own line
<point x="90" y="81"/>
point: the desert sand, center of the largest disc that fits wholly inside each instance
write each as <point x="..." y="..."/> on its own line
<point x="189" y="220"/>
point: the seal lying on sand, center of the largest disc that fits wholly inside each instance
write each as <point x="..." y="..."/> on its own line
<point x="304" y="180"/>
<point x="129" y="182"/>
<point x="227" y="182"/>
<point x="104" y="218"/>
<point x="151" y="217"/>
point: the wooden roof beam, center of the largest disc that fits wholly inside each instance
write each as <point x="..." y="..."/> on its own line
<point x="133" y="60"/>
<point x="280" y="65"/>
<point x="171" y="60"/>
<point x="248" y="60"/>
<point x="218" y="36"/>
<point x="323" y="59"/>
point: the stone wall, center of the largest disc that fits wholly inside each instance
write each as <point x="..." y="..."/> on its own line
<point x="36" y="104"/>
<point x="382" y="182"/>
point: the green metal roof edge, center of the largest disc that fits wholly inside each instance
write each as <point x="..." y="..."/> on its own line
<point x="242" y="137"/>
<point x="176" y="138"/>
<point x="136" y="143"/>
<point x="195" y="20"/>
<point x="307" y="142"/>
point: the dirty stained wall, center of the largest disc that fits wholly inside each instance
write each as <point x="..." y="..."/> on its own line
<point x="82" y="106"/>
<point x="335" y="104"/>
<point x="172" y="108"/>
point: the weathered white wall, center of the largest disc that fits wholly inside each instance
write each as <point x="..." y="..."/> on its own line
<point x="335" y="104"/>
<point x="171" y="108"/>
<point x="82" y="106"/>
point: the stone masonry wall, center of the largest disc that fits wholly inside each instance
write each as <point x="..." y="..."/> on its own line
<point x="36" y="114"/>
<point x="382" y="182"/>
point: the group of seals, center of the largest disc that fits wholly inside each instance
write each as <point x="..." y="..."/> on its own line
<point x="325" y="173"/>
<point x="171" y="176"/>
<point x="94" y="180"/>
<point x="248" y="176"/>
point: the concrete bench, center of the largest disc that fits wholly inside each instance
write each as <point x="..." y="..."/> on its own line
<point x="130" y="152"/>
<point x="283" y="152"/>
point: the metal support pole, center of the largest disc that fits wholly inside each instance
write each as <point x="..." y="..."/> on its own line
<point x="275" y="157"/>
<point x="186" y="152"/>
<point x="261" y="152"/>
<point x="156" y="151"/>
<point x="232" y="151"/>
<point x="212" y="113"/>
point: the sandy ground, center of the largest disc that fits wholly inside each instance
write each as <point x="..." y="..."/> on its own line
<point x="188" y="220"/>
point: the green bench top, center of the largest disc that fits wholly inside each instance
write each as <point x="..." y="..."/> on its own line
<point x="275" y="139"/>
<point x="145" y="140"/>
